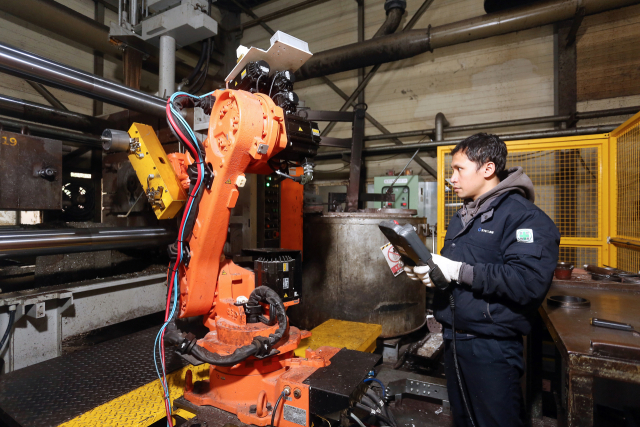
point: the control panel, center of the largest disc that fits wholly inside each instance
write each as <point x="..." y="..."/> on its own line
<point x="402" y="194"/>
<point x="405" y="188"/>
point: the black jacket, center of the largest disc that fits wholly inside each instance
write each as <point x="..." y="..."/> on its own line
<point x="511" y="275"/>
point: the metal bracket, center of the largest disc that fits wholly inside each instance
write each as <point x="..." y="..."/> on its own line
<point x="37" y="310"/>
<point x="433" y="389"/>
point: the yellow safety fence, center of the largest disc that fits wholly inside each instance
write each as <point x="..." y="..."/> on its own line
<point x="588" y="185"/>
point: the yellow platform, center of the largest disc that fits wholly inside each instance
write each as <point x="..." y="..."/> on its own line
<point x="342" y="334"/>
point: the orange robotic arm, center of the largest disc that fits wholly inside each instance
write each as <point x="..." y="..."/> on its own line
<point x="245" y="131"/>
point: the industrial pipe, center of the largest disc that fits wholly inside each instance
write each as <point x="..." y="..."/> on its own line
<point x="394" y="149"/>
<point x="31" y="111"/>
<point x="395" y="11"/>
<point x="407" y="44"/>
<point x="26" y="65"/>
<point x="69" y="138"/>
<point x="509" y="123"/>
<point x="73" y="240"/>
<point x="441" y="123"/>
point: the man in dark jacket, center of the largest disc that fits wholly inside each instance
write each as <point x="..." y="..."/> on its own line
<point x="500" y="252"/>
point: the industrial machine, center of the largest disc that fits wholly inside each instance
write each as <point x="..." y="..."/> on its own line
<point x="410" y="193"/>
<point x="250" y="344"/>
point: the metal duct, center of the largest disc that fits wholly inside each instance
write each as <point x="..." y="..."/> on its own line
<point x="407" y="44"/>
<point x="39" y="113"/>
<point x="72" y="240"/>
<point x="36" y="68"/>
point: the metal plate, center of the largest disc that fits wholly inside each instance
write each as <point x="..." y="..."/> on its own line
<point x="21" y="187"/>
<point x="50" y="393"/>
<point x="295" y="415"/>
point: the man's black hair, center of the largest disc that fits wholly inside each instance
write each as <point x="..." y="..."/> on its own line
<point x="482" y="148"/>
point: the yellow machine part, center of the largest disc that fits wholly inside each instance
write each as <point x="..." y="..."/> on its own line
<point x="155" y="173"/>
<point x="341" y="333"/>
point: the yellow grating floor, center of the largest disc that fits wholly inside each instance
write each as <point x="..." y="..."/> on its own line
<point x="142" y="406"/>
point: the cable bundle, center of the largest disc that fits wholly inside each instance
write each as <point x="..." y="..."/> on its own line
<point x="185" y="134"/>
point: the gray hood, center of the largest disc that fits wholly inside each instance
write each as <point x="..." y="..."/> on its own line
<point x="513" y="179"/>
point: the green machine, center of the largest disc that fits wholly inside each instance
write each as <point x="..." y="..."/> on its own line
<point x="406" y="189"/>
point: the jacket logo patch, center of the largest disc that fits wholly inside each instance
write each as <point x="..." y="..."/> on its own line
<point x="524" y="235"/>
<point x="482" y="230"/>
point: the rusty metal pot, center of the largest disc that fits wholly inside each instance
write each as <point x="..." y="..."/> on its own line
<point x="563" y="271"/>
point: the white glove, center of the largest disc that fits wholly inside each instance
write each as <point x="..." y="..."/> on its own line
<point x="450" y="269"/>
<point x="419" y="274"/>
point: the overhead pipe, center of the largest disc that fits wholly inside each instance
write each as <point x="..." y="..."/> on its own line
<point x="423" y="146"/>
<point x="20" y="243"/>
<point x="39" y="113"/>
<point x="407" y="44"/>
<point x="509" y="123"/>
<point x="441" y="123"/>
<point x="29" y="66"/>
<point x="69" y="138"/>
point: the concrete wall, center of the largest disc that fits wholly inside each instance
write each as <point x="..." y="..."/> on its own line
<point x="500" y="78"/>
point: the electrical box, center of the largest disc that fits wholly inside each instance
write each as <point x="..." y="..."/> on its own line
<point x="410" y="194"/>
<point x="405" y="189"/>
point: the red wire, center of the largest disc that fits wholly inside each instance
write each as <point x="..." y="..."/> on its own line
<point x="179" y="248"/>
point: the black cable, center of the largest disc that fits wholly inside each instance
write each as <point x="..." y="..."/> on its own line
<point x="452" y="303"/>
<point x="378" y="409"/>
<point x="203" y="55"/>
<point x="12" y="318"/>
<point x="377" y="400"/>
<point x="373" y="412"/>
<point x="202" y="76"/>
<point x="275" y="409"/>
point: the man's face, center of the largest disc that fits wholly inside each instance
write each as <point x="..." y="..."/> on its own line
<point x="468" y="180"/>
